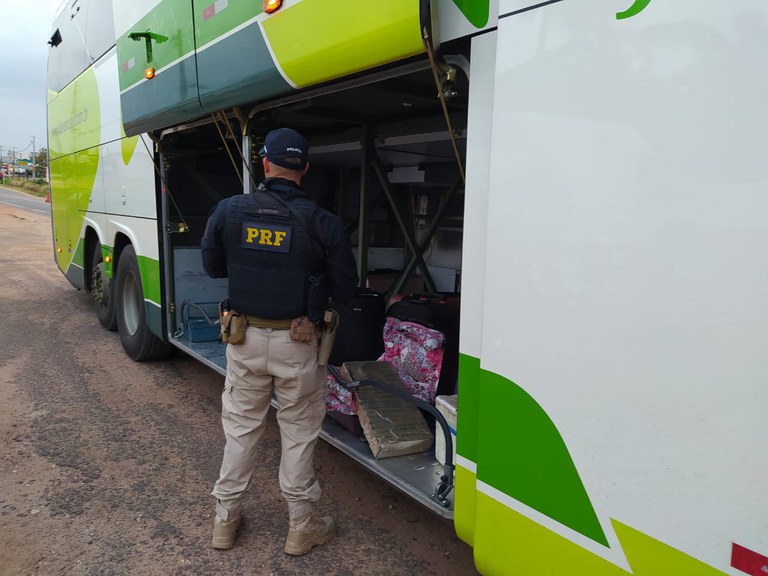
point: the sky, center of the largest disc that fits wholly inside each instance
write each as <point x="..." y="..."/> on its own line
<point x="25" y="27"/>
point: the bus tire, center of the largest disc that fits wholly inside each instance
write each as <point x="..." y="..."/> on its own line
<point x="101" y="291"/>
<point x="138" y="341"/>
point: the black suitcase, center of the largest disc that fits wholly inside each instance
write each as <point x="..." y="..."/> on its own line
<point x="361" y="322"/>
<point x="439" y="312"/>
<point x="359" y="337"/>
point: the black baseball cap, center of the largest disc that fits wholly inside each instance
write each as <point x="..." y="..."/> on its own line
<point x="287" y="148"/>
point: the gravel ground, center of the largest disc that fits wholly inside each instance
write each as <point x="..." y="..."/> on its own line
<point x="106" y="464"/>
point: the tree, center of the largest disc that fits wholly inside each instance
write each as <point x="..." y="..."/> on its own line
<point x="41" y="162"/>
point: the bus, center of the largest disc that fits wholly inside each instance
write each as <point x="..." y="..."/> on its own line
<point x="586" y="178"/>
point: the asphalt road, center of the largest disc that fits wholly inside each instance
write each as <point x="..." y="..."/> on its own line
<point x="106" y="464"/>
<point x="29" y="203"/>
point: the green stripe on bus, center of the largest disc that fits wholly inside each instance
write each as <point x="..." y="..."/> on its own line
<point x="519" y="450"/>
<point x="468" y="406"/>
<point x="476" y="11"/>
<point x="149" y="268"/>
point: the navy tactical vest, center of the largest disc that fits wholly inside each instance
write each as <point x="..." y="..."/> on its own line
<point x="270" y="254"/>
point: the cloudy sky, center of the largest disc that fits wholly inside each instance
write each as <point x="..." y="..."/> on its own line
<point x="25" y="27"/>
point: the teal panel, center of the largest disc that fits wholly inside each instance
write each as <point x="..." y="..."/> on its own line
<point x="76" y="276"/>
<point x="155" y="320"/>
<point x="167" y="99"/>
<point x="237" y="70"/>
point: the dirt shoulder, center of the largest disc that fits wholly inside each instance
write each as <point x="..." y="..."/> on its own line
<point x="106" y="465"/>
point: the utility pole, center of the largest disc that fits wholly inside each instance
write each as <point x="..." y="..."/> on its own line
<point x="34" y="158"/>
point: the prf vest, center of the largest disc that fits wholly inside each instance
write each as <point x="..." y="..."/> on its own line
<point x="270" y="254"/>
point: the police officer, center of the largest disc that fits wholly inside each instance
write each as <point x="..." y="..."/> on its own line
<point x="274" y="245"/>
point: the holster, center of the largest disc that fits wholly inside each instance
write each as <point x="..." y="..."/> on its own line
<point x="327" y="336"/>
<point x="317" y="300"/>
<point x="233" y="324"/>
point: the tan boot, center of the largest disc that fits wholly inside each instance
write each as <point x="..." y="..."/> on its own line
<point x="224" y="532"/>
<point x="308" y="531"/>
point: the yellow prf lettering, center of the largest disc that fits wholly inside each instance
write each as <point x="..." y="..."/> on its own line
<point x="279" y="237"/>
<point x="253" y="233"/>
<point x="266" y="237"/>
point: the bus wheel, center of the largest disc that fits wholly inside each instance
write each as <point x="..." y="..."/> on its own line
<point x="138" y="342"/>
<point x="101" y="291"/>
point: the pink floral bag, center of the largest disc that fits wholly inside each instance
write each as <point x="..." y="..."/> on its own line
<point x="416" y="353"/>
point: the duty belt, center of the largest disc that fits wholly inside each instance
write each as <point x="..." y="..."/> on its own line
<point x="275" y="324"/>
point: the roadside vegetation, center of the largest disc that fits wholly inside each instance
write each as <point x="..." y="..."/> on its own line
<point x="37" y="187"/>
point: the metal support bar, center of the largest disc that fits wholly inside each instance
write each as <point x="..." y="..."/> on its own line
<point x="428" y="236"/>
<point x="363" y="231"/>
<point x="409" y="239"/>
<point x="445" y="486"/>
<point x="167" y="249"/>
<point x="247" y="159"/>
<point x="354" y="227"/>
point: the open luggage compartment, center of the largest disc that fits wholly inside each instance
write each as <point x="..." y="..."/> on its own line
<point x="383" y="159"/>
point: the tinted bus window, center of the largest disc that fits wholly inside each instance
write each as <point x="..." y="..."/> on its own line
<point x="101" y="29"/>
<point x="69" y="58"/>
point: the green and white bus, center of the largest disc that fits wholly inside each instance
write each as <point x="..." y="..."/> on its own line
<point x="591" y="177"/>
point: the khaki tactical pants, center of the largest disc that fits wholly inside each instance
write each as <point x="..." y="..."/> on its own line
<point x="270" y="362"/>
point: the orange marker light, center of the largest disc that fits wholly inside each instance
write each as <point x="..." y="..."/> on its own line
<point x="149" y="73"/>
<point x="272" y="5"/>
<point x="58" y="250"/>
<point x="108" y="259"/>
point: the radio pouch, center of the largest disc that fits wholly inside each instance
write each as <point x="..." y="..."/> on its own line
<point x="233" y="324"/>
<point x="302" y="329"/>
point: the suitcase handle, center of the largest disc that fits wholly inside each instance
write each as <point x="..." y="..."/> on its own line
<point x="445" y="486"/>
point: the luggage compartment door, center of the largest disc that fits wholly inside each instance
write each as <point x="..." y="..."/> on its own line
<point x="245" y="55"/>
<point x="156" y="35"/>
